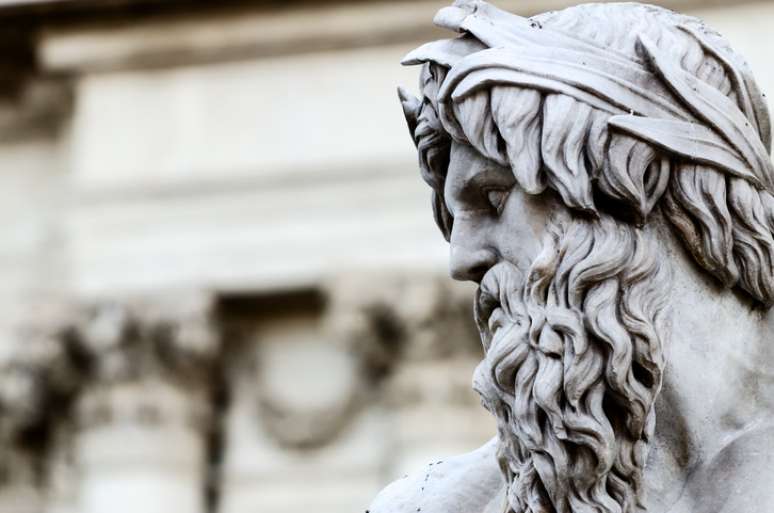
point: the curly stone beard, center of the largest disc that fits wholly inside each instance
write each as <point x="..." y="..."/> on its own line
<point x="572" y="367"/>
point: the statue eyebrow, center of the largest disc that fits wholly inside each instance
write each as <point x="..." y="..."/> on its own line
<point x="467" y="188"/>
<point x="500" y="174"/>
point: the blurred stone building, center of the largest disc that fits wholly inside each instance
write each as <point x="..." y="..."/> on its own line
<point x="223" y="290"/>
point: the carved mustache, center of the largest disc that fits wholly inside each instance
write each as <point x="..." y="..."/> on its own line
<point x="494" y="303"/>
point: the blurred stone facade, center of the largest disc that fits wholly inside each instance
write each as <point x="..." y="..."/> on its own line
<point x="223" y="288"/>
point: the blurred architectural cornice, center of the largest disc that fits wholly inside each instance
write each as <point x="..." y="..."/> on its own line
<point x="87" y="35"/>
<point x="44" y="43"/>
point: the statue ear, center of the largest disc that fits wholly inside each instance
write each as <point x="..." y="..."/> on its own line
<point x="411" y="107"/>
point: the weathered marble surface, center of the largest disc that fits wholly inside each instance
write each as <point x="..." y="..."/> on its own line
<point x="603" y="174"/>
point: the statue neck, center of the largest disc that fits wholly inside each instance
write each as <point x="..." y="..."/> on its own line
<point x="719" y="357"/>
<point x="719" y="376"/>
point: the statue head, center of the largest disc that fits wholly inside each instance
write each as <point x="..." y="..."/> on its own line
<point x="564" y="152"/>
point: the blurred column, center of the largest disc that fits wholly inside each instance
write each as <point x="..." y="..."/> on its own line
<point x="62" y="473"/>
<point x="141" y="423"/>
<point x="19" y="487"/>
<point x="19" y="484"/>
<point x="29" y="374"/>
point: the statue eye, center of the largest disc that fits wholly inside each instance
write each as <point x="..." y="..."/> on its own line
<point x="496" y="198"/>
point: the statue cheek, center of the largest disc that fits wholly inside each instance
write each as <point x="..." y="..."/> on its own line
<point x="520" y="227"/>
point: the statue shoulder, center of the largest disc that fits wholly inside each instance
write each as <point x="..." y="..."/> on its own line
<point x="469" y="483"/>
<point x="739" y="477"/>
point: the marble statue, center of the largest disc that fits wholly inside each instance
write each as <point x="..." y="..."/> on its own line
<point x="603" y="173"/>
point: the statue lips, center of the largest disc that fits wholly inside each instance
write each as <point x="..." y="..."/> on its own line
<point x="486" y="303"/>
<point x="499" y="281"/>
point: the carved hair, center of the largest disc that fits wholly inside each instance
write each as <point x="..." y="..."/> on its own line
<point x="574" y="367"/>
<point x="653" y="109"/>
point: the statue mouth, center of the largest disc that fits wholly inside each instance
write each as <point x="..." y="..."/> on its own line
<point x="487" y="309"/>
<point x="500" y="286"/>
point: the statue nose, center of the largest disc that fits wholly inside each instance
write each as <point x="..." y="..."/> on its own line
<point x="468" y="264"/>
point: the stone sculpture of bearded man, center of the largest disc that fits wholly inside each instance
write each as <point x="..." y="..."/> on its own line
<point x="603" y="173"/>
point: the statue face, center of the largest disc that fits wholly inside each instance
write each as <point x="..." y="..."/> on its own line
<point x="494" y="219"/>
<point x="548" y="280"/>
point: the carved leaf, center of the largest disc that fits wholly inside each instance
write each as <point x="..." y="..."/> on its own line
<point x="690" y="140"/>
<point x="627" y="89"/>
<point x="716" y="109"/>
<point x="750" y="98"/>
